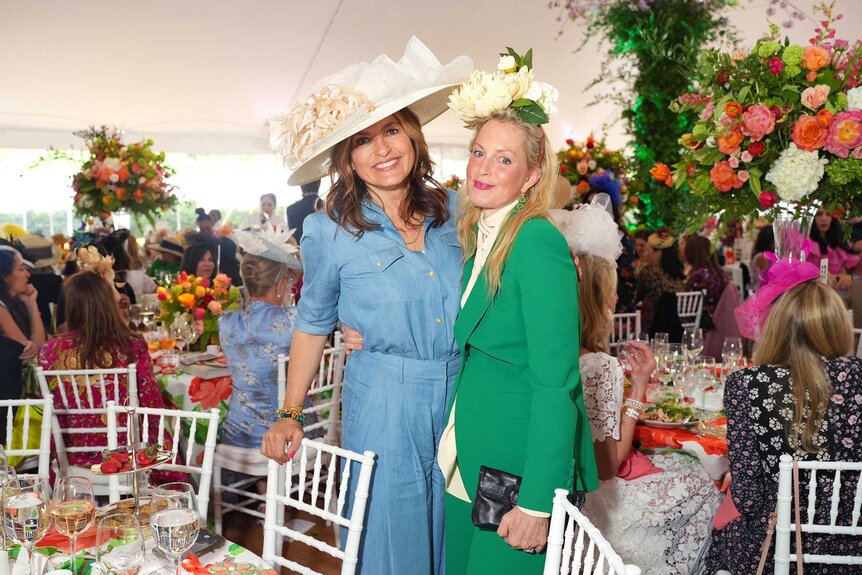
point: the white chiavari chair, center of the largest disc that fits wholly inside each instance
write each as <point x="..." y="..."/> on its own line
<point x="575" y="545"/>
<point x="84" y="392"/>
<point x="689" y="306"/>
<point x="325" y="394"/>
<point x="785" y="527"/>
<point x="624" y="324"/>
<point x="289" y="486"/>
<point x="42" y="449"/>
<point x="172" y="422"/>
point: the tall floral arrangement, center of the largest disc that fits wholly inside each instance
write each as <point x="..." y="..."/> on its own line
<point x="781" y="122"/>
<point x="592" y="161"/>
<point x="202" y="299"/>
<point x="120" y="176"/>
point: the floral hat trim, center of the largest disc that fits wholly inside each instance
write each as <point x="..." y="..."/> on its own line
<point x="510" y="86"/>
<point x="661" y="239"/>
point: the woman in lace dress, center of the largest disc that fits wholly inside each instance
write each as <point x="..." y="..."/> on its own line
<point x="659" y="522"/>
<point x="803" y="398"/>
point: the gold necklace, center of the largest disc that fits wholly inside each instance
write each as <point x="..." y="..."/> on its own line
<point x="415" y="238"/>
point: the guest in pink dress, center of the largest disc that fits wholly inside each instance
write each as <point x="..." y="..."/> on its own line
<point x="98" y="338"/>
<point x="827" y="240"/>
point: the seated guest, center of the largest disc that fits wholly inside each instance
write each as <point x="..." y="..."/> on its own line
<point x="828" y="242"/>
<point x="254" y="336"/>
<point x="796" y="400"/>
<point x="141" y="283"/>
<point x="658" y="519"/>
<point x="97" y="338"/>
<point x="200" y="256"/>
<point x="705" y="274"/>
<point x="640" y="241"/>
<point x="661" y="274"/>
<point x="168" y="254"/>
<point x="266" y="217"/>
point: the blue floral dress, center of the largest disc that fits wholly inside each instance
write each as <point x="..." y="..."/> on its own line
<point x="759" y="405"/>
<point x="251" y="339"/>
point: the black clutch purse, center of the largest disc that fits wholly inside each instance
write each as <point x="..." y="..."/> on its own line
<point x="496" y="495"/>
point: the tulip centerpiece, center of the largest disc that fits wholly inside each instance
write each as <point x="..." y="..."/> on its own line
<point x="201" y="299"/>
<point x="779" y="125"/>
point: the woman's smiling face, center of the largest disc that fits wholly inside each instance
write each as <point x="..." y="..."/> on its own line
<point x="498" y="171"/>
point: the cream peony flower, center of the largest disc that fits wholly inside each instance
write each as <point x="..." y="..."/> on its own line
<point x="548" y="100"/>
<point x="854" y="98"/>
<point x="519" y="82"/>
<point x="506" y="64"/>
<point x="796" y="173"/>
<point x="481" y="95"/>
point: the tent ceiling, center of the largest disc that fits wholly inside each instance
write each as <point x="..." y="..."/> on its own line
<point x="203" y="75"/>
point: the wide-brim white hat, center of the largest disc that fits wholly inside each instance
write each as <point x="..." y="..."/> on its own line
<point x="358" y="97"/>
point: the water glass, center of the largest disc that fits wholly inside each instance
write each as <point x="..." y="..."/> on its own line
<point x="25" y="513"/>
<point x="119" y="544"/>
<point x="659" y="338"/>
<point x="73" y="510"/>
<point x="692" y="340"/>
<point x="174" y="519"/>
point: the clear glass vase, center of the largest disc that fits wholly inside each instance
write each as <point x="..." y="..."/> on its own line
<point x="792" y="228"/>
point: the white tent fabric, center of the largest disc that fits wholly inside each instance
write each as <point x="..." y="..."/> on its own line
<point x="203" y="76"/>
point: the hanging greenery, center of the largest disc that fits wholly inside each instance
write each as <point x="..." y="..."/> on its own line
<point x="651" y="59"/>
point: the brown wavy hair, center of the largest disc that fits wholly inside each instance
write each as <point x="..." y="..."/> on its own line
<point x="92" y="312"/>
<point x="426" y="198"/>
<point x="699" y="254"/>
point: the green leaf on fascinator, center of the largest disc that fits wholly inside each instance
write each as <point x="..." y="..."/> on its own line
<point x="532" y="113"/>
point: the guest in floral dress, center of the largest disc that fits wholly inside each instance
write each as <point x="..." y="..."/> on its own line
<point x="661" y="273"/>
<point x="705" y="274"/>
<point x="254" y="336"/>
<point x="801" y="398"/>
<point x="98" y="338"/>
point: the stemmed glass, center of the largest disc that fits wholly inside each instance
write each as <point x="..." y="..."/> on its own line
<point x="659" y="338"/>
<point x="673" y="362"/>
<point x="25" y="513"/>
<point x="8" y="483"/>
<point x="174" y="519"/>
<point x="119" y="544"/>
<point x="731" y="352"/>
<point x="73" y="509"/>
<point x="692" y="340"/>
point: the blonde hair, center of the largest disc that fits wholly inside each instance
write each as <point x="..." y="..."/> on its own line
<point x="806" y="324"/>
<point x="259" y="275"/>
<point x="598" y="281"/>
<point x="539" y="198"/>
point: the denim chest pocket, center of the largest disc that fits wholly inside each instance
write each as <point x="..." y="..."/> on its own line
<point x="382" y="277"/>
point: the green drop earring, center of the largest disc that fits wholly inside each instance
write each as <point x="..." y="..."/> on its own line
<point x="522" y="199"/>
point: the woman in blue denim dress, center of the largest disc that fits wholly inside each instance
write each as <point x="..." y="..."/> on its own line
<point x="383" y="258"/>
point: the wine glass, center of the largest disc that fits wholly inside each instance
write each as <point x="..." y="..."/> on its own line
<point x="119" y="544"/>
<point x="167" y="339"/>
<point x="659" y="338"/>
<point x="174" y="519"/>
<point x="73" y="509"/>
<point x="25" y="513"/>
<point x="8" y="483"/>
<point x="692" y="339"/>
<point x="673" y="362"/>
<point x="731" y="351"/>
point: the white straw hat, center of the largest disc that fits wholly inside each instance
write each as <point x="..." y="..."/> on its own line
<point x="358" y="97"/>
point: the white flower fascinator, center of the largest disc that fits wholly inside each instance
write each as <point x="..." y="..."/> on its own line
<point x="590" y="229"/>
<point x="272" y="243"/>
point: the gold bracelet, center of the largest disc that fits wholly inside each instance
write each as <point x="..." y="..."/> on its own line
<point x="295" y="414"/>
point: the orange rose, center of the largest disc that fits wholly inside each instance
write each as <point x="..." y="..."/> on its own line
<point x="121" y="194"/>
<point x="732" y="109"/>
<point x="724" y="177"/>
<point x="809" y="133"/>
<point x="661" y="172"/>
<point x="583" y="187"/>
<point x="825" y="117"/>
<point x="187" y="300"/>
<point x="139" y="195"/>
<point x="728" y="143"/>
<point x="814" y="58"/>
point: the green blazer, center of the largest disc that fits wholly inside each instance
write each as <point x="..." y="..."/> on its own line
<point x="520" y="405"/>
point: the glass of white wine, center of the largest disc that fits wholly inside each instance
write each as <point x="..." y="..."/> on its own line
<point x="174" y="519"/>
<point x="692" y="340"/>
<point x="119" y="544"/>
<point x="25" y="513"/>
<point x="73" y="510"/>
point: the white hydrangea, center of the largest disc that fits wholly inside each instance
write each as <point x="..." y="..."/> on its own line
<point x="854" y="98"/>
<point x="548" y="99"/>
<point x="481" y="95"/>
<point x="796" y="173"/>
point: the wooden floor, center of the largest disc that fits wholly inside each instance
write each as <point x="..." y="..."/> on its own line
<point x="246" y="531"/>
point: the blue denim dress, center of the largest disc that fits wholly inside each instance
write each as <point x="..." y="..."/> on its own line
<point x="396" y="389"/>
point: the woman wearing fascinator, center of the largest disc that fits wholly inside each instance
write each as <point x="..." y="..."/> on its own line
<point x="517" y="415"/>
<point x="254" y="336"/>
<point x="382" y="257"/>
<point x="655" y="512"/>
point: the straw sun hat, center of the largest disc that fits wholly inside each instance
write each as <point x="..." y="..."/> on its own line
<point x="358" y="97"/>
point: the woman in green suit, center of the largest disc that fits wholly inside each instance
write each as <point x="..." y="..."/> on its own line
<point x="518" y="405"/>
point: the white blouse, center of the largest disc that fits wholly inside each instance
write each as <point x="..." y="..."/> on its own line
<point x="602" y="382"/>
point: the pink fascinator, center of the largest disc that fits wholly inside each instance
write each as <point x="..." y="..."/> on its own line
<point x="780" y="277"/>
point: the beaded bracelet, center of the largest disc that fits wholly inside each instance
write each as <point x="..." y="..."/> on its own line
<point x="633" y="413"/>
<point x="639" y="405"/>
<point x="291" y="413"/>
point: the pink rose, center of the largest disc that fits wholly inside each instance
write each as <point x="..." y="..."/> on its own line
<point x="813" y="98"/>
<point x="199" y="313"/>
<point x="214" y="307"/>
<point x="845" y="133"/>
<point x="738" y="55"/>
<point x="743" y="175"/>
<point x="746" y="156"/>
<point x="757" y="121"/>
<point x="775" y="65"/>
<point x="733" y="161"/>
<point x="205" y="282"/>
<point x="707" y="111"/>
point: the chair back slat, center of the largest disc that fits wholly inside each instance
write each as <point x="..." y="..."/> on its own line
<point x="689" y="306"/>
<point x="285" y="492"/>
<point x="836" y="495"/>
<point x="857" y="501"/>
<point x="812" y="496"/>
<point x="591" y="552"/>
<point x="623" y="325"/>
